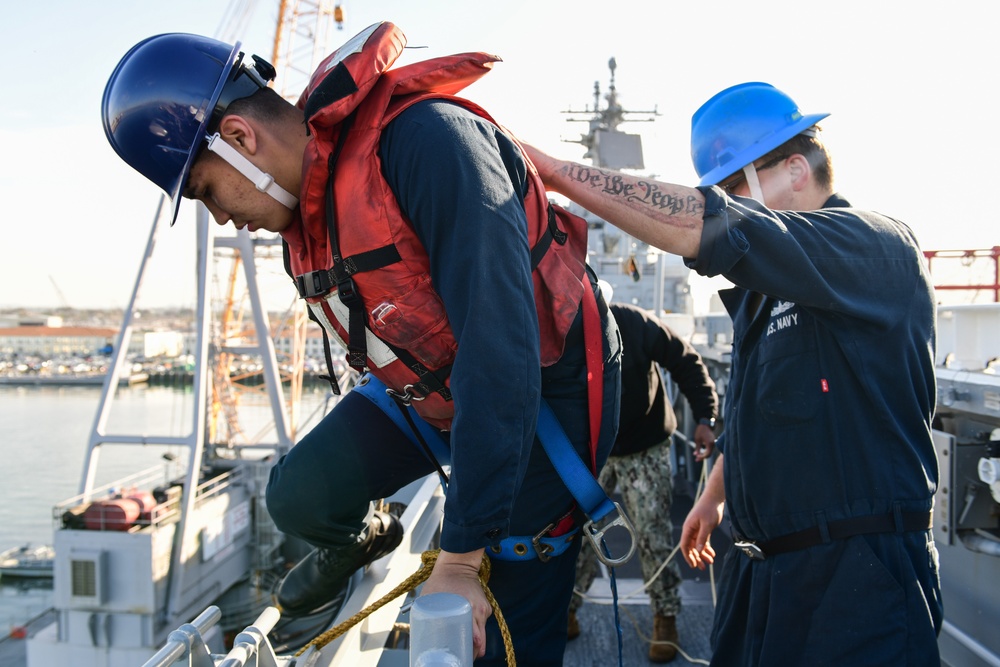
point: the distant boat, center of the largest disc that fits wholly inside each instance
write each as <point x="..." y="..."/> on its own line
<point x="27" y="562"/>
<point x="69" y="379"/>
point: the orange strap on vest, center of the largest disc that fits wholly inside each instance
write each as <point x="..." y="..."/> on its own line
<point x="595" y="367"/>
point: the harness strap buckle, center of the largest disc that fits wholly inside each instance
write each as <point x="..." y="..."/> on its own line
<point x="750" y="549"/>
<point x="596" y="536"/>
<point x="543" y="549"/>
<point x="348" y="292"/>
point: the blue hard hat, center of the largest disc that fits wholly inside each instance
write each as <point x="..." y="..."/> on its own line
<point x="739" y="125"/>
<point x="162" y="98"/>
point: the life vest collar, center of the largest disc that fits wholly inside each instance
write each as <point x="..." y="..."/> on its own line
<point x="347" y="75"/>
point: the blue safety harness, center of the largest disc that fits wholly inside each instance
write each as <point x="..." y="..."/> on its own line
<point x="602" y="513"/>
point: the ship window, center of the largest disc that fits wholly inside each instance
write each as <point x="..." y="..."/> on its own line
<point x="84" y="578"/>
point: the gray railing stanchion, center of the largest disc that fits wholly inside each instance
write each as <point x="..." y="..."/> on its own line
<point x="187" y="643"/>
<point x="253" y="643"/>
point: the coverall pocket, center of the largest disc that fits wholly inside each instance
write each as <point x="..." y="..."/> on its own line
<point x="789" y="379"/>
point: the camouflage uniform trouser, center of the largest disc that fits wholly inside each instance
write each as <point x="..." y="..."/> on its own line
<point x="646" y="485"/>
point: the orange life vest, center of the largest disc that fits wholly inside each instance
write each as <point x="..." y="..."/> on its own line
<point x="370" y="287"/>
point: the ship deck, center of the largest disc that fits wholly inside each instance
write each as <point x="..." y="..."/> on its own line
<point x="597" y="645"/>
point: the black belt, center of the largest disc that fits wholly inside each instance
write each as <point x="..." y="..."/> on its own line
<point x="835" y="530"/>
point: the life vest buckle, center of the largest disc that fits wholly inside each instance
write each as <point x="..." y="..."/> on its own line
<point x="596" y="536"/>
<point x="314" y="283"/>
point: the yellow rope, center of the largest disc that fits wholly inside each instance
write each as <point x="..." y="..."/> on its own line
<point x="428" y="559"/>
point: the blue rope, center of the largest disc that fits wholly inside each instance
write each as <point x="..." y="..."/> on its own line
<point x="614" y="599"/>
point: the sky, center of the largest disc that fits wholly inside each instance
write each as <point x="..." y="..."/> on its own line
<point x="910" y="88"/>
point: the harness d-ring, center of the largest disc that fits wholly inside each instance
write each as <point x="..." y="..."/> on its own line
<point x="596" y="536"/>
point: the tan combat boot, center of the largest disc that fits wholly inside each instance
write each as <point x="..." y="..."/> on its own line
<point x="572" y="627"/>
<point x="664" y="630"/>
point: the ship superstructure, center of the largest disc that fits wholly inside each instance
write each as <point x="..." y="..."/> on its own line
<point x="967" y="438"/>
<point x="638" y="273"/>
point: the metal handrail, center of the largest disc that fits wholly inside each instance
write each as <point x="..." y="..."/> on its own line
<point x="187" y="643"/>
<point x="253" y="641"/>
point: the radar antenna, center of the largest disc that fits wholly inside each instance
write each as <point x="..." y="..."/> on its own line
<point x="607" y="146"/>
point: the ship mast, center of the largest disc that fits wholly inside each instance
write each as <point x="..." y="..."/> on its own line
<point x="638" y="273"/>
<point x="607" y="146"/>
<point x="206" y="534"/>
<point x="230" y="338"/>
<point x="304" y="35"/>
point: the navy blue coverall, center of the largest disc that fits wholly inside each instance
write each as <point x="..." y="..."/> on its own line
<point x="461" y="182"/>
<point x="827" y="417"/>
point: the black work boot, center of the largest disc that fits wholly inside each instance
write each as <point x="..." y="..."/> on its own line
<point x="572" y="626"/>
<point x="317" y="580"/>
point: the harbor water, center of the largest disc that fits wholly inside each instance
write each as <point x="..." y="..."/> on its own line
<point x="44" y="433"/>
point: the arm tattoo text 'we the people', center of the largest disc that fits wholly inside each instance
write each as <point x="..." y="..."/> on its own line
<point x="612" y="183"/>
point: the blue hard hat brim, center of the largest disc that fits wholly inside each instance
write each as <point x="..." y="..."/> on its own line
<point x="759" y="149"/>
<point x="199" y="137"/>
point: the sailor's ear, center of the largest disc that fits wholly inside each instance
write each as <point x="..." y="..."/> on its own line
<point x="800" y="170"/>
<point x="239" y="133"/>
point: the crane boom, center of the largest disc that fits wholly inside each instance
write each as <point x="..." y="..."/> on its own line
<point x="304" y="36"/>
<point x="63" y="302"/>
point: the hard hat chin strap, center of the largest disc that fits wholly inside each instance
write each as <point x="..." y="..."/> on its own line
<point x="753" y="182"/>
<point x="263" y="182"/>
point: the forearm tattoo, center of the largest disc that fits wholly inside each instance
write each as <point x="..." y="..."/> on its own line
<point x="635" y="192"/>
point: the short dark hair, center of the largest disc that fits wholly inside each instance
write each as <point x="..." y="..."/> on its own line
<point x="813" y="150"/>
<point x="265" y="105"/>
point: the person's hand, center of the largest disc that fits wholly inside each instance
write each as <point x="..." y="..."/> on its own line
<point x="704" y="442"/>
<point x="703" y="518"/>
<point x="459" y="573"/>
